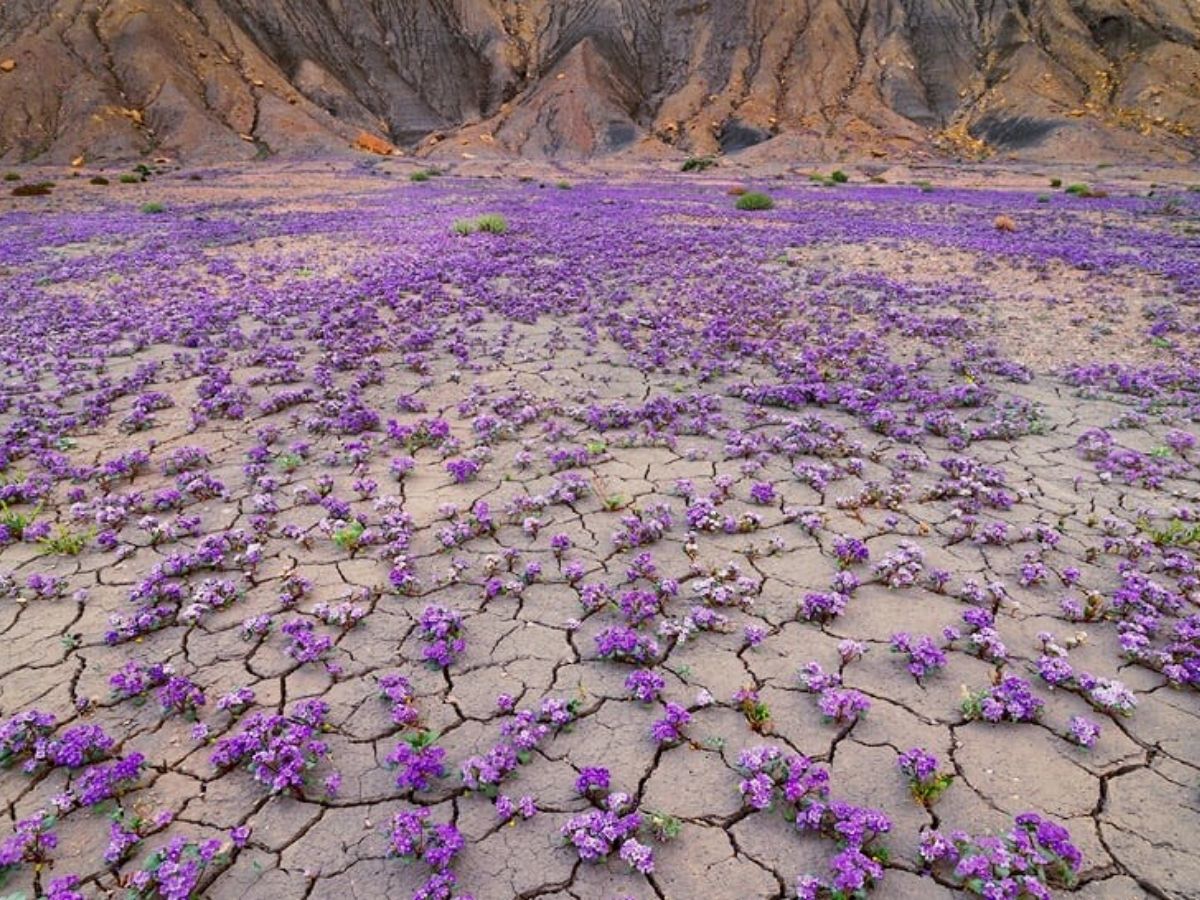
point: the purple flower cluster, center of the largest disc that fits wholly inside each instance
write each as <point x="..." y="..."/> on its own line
<point x="520" y="734"/>
<point x="412" y="837"/>
<point x="800" y="790"/>
<point x="1010" y="700"/>
<point x="669" y="729"/>
<point x="925" y="782"/>
<point x="278" y="750"/>
<point x="622" y="644"/>
<point x="418" y="761"/>
<point x="441" y="630"/>
<point x="173" y="872"/>
<point x="837" y="704"/>
<point x="1032" y="857"/>
<point x="924" y="656"/>
<point x="599" y="833"/>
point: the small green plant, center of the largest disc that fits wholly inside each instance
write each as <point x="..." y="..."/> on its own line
<point x="98" y="180"/>
<point x="153" y="209"/>
<point x="489" y="223"/>
<point x="1055" y="182"/>
<point x="664" y="826"/>
<point x="11" y="176"/>
<point x="15" y="521"/>
<point x="925" y="186"/>
<point x="419" y="176"/>
<point x="698" y="163"/>
<point x="1043" y="198"/>
<point x="492" y="223"/>
<point x="839" y="177"/>
<point x="563" y="185"/>
<point x="39" y="189"/>
<point x="1175" y="533"/>
<point x="65" y="542"/>
<point x="129" y="178"/>
<point x="289" y="462"/>
<point x="754" y="201"/>
<point x="348" y="536"/>
<point x="614" y="502"/>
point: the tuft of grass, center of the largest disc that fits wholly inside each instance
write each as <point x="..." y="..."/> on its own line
<point x="1043" y="198"/>
<point x="698" y="163"/>
<point x="753" y="201"/>
<point x="489" y="223"/>
<point x="130" y="178"/>
<point x="99" y="180"/>
<point x="65" y="542"/>
<point x="839" y="177"/>
<point x="38" y="189"/>
<point x="1055" y="182"/>
<point x="419" y="176"/>
<point x="563" y="185"/>
<point x="153" y="208"/>
<point x="11" y="176"/>
<point x="1083" y="190"/>
<point x="16" y="522"/>
<point x="925" y="186"/>
<point x="492" y="223"/>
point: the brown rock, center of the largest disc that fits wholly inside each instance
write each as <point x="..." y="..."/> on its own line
<point x="369" y="143"/>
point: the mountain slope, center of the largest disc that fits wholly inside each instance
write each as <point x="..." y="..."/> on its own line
<point x="208" y="79"/>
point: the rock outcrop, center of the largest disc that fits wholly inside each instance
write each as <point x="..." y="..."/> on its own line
<point x="213" y="79"/>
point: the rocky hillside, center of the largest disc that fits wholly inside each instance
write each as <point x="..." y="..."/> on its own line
<point x="211" y="79"/>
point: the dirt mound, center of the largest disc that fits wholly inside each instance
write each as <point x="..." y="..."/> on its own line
<point x="219" y="79"/>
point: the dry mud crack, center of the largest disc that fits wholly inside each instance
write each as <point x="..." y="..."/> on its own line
<point x="331" y="537"/>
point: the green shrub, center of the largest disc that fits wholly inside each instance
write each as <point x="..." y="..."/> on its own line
<point x="129" y="178"/>
<point x="492" y="223"/>
<point x="1055" y="182"/>
<point x="698" y="163"/>
<point x="563" y="185"/>
<point x="839" y="177"/>
<point x="754" y="200"/>
<point x="40" y="189"/>
<point x="464" y="226"/>
<point x="419" y="175"/>
<point x="153" y="208"/>
<point x="98" y="179"/>
<point x="1043" y="198"/>
<point x="11" y="176"/>
<point x="1079" y="190"/>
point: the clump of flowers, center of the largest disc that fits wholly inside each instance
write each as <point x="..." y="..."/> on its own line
<point x="850" y="550"/>
<point x="669" y="729"/>
<point x="31" y="842"/>
<point x="278" y="750"/>
<point x="622" y="644"/>
<point x="924" y="656"/>
<point x="418" y="761"/>
<point x="1083" y="731"/>
<point x="837" y="704"/>
<point x="823" y="606"/>
<point x="442" y="631"/>
<point x="644" y="685"/>
<point x="799" y="789"/>
<point x="901" y="567"/>
<point x="520" y="734"/>
<point x="599" y="833"/>
<point x="1032" y="857"/>
<point x="412" y="837"/>
<point x="925" y="782"/>
<point x="1011" y="700"/>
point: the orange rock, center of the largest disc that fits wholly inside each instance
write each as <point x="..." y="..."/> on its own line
<point x="369" y="143"/>
<point x="1004" y="223"/>
<point x="77" y="162"/>
<point x="8" y="65"/>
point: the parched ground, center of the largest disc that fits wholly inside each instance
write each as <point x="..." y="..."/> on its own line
<point x="267" y="435"/>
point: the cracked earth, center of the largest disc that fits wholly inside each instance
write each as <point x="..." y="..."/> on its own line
<point x="676" y="416"/>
